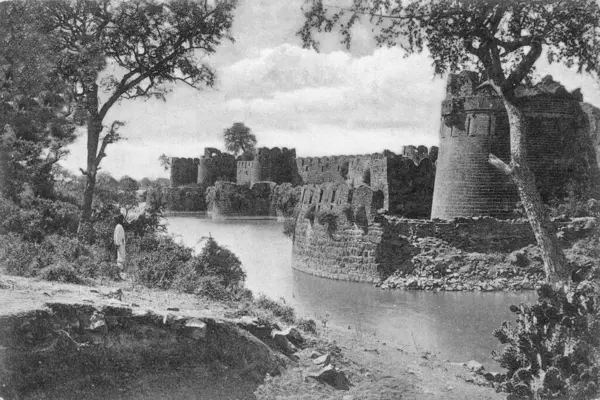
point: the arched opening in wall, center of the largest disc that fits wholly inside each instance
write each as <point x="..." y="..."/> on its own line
<point x="321" y="195"/>
<point x="333" y="197"/>
<point x="367" y="176"/>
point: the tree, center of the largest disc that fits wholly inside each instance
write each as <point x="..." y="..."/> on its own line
<point x="35" y="123"/>
<point x="164" y="161"/>
<point x="503" y="39"/>
<point x="239" y="138"/>
<point x="148" y="43"/>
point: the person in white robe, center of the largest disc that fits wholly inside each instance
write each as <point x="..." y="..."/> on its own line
<point x="119" y="240"/>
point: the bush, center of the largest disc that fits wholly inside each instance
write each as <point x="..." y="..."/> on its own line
<point x="154" y="262"/>
<point x="311" y="213"/>
<point x="60" y="273"/>
<point x="286" y="198"/>
<point x="18" y="257"/>
<point x="307" y="325"/>
<point x="214" y="262"/>
<point x="277" y="308"/>
<point x="552" y="352"/>
<point x="328" y="218"/>
<point x="40" y="218"/>
<point x="289" y="224"/>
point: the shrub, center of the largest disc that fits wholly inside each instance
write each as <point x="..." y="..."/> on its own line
<point x="214" y="262"/>
<point x="157" y="266"/>
<point x="552" y="352"/>
<point x="328" y="218"/>
<point x="66" y="248"/>
<point x="311" y="213"/>
<point x="18" y="257"/>
<point x="307" y="325"/>
<point x="40" y="218"/>
<point x="286" y="198"/>
<point x="289" y="224"/>
<point x="278" y="308"/>
<point x="60" y="272"/>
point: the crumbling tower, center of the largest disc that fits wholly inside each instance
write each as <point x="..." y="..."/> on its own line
<point x="475" y="124"/>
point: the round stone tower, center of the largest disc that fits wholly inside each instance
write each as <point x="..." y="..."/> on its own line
<point x="475" y="124"/>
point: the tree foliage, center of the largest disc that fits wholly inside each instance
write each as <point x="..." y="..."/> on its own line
<point x="502" y="38"/>
<point x="113" y="50"/>
<point x="239" y="138"/>
<point x="35" y="117"/>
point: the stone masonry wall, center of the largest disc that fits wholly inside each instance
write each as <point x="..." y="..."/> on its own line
<point x="384" y="245"/>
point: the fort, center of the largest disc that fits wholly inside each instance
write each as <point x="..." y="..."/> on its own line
<point x="368" y="217"/>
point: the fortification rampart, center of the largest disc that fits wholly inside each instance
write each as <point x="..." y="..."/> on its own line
<point x="386" y="245"/>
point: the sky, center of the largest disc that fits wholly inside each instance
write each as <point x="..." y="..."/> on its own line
<point x="329" y="103"/>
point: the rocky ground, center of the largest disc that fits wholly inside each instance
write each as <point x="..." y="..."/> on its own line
<point x="140" y="338"/>
<point x="440" y="267"/>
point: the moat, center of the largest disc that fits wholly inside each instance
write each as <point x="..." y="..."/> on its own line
<point x="458" y="326"/>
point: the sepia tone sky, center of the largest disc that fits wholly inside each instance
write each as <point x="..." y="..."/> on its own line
<point x="333" y="102"/>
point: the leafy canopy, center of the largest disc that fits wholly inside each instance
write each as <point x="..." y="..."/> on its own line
<point x="150" y="42"/>
<point x="239" y="138"/>
<point x="501" y="38"/>
<point x="35" y="123"/>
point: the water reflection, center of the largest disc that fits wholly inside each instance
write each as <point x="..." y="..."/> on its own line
<point x="459" y="326"/>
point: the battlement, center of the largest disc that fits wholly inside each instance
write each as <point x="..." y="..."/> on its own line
<point x="184" y="171"/>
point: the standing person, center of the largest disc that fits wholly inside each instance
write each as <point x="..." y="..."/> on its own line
<point x="119" y="240"/>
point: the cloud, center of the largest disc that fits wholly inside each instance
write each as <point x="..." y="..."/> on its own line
<point x="295" y="87"/>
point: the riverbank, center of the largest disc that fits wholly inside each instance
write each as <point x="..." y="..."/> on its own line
<point x="374" y="369"/>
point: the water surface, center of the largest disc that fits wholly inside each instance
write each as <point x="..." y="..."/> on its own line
<point x="456" y="325"/>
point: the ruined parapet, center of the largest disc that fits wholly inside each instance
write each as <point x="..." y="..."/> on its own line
<point x="475" y="125"/>
<point x="215" y="165"/>
<point x="184" y="171"/>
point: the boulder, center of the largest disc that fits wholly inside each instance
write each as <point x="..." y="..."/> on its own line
<point x="195" y="329"/>
<point x="282" y="342"/>
<point x="322" y="360"/>
<point x="330" y="375"/>
<point x="260" y="329"/>
<point x="97" y="322"/>
<point x="294" y="336"/>
<point x="474" y="366"/>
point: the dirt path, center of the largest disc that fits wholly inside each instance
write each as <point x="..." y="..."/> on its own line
<point x="375" y="370"/>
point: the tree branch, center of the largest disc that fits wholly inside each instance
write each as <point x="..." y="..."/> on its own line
<point x="524" y="67"/>
<point x="500" y="165"/>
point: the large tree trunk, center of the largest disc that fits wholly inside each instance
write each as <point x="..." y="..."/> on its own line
<point x="94" y="127"/>
<point x="555" y="263"/>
